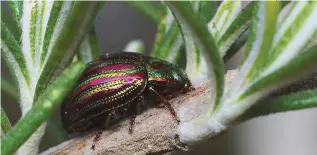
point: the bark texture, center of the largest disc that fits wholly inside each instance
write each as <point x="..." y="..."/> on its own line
<point x="154" y="131"/>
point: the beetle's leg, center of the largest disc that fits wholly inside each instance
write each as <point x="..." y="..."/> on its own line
<point x="132" y="122"/>
<point x="167" y="104"/>
<point x="136" y="109"/>
<point x="97" y="137"/>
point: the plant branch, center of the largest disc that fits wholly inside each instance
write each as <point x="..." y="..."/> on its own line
<point x="154" y="130"/>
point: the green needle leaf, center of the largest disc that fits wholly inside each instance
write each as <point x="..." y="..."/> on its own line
<point x="207" y="10"/>
<point x="12" y="52"/>
<point x="287" y="58"/>
<point x="159" y="36"/>
<point x="198" y="31"/>
<point x="295" y="101"/>
<point x="16" y="9"/>
<point x="239" y="24"/>
<point x="163" y="48"/>
<point x="89" y="48"/>
<point x="236" y="46"/>
<point x="296" y="68"/>
<point x="10" y="91"/>
<point x="264" y="30"/>
<point x="5" y="123"/>
<point x="56" y="18"/>
<point x="76" y="26"/>
<point x="169" y="44"/>
<point x="44" y="107"/>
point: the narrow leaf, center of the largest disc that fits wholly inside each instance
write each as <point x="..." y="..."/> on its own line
<point x="288" y="56"/>
<point x="168" y="40"/>
<point x="236" y="34"/>
<point x="89" y="48"/>
<point x="159" y="36"/>
<point x="12" y="52"/>
<point x="74" y="29"/>
<point x="196" y="65"/>
<point x="58" y="16"/>
<point x="226" y="13"/>
<point x="293" y="35"/>
<point x="28" y="37"/>
<point x="256" y="32"/>
<point x="312" y="42"/>
<point x="10" y="91"/>
<point x="16" y="9"/>
<point x="172" y="47"/>
<point x="296" y="68"/>
<point x="165" y="48"/>
<point x="5" y="123"/>
<point x="207" y="10"/>
<point x="295" y="101"/>
<point x="198" y="31"/>
<point x="33" y="28"/>
<point x="44" y="107"/>
<point x="264" y="24"/>
<point x="235" y="28"/>
<point x="236" y="46"/>
<point x="43" y="14"/>
<point x="284" y="3"/>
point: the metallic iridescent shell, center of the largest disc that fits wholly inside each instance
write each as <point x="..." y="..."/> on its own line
<point x="113" y="83"/>
<point x="165" y="77"/>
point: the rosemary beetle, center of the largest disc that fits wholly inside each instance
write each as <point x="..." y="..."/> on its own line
<point x="117" y="84"/>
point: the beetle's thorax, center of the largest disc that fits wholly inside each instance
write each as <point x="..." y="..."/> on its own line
<point x="164" y="77"/>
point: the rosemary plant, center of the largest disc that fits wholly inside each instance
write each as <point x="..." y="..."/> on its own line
<point x="278" y="50"/>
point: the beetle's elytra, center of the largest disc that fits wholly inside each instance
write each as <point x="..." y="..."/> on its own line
<point x="116" y="84"/>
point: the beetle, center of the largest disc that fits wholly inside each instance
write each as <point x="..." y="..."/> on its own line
<point x="116" y="84"/>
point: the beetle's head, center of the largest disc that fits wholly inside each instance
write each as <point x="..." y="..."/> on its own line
<point x="167" y="78"/>
<point x="181" y="79"/>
